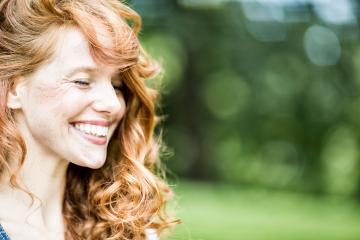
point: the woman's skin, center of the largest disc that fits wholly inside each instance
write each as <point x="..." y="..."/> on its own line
<point x="72" y="88"/>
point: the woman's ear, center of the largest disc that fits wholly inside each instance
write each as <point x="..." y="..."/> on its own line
<point x="14" y="95"/>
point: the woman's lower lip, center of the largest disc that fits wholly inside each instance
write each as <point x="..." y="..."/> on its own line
<point x="91" y="138"/>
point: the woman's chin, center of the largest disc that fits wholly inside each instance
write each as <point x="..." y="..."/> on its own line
<point x="91" y="162"/>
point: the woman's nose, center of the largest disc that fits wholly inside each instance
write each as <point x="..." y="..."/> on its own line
<point x="106" y="100"/>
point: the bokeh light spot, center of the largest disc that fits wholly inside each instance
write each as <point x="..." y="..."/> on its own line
<point x="225" y="94"/>
<point x="322" y="46"/>
<point x="169" y="51"/>
<point x="340" y="160"/>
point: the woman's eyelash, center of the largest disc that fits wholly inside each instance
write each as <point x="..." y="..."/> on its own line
<point x="82" y="82"/>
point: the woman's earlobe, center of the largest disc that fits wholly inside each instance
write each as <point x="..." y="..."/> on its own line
<point x="13" y="97"/>
<point x="13" y="101"/>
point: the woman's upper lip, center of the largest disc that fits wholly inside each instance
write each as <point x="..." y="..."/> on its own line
<point x="94" y="122"/>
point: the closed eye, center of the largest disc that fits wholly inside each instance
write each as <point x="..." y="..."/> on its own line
<point x="82" y="82"/>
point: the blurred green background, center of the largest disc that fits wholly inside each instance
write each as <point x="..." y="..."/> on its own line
<point x="262" y="110"/>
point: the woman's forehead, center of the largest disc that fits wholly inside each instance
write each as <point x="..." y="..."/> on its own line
<point x="72" y="54"/>
<point x="72" y="45"/>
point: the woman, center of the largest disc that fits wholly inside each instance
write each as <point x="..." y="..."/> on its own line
<point x="76" y="123"/>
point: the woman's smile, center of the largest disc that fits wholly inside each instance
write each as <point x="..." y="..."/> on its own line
<point x="94" y="131"/>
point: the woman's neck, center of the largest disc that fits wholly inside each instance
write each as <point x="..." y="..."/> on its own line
<point x="44" y="176"/>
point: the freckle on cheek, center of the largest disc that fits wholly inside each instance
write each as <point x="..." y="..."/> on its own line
<point x="46" y="93"/>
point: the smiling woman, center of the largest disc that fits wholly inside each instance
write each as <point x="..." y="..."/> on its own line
<point x="78" y="152"/>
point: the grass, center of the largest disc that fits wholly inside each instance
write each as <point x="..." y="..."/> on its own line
<point x="221" y="212"/>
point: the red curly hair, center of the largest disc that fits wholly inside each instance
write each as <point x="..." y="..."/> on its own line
<point x="124" y="197"/>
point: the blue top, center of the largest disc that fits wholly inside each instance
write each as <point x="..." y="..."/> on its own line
<point x="3" y="235"/>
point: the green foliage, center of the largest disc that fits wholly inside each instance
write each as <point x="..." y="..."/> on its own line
<point x="259" y="94"/>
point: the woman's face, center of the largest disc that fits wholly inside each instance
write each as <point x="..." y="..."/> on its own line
<point x="71" y="106"/>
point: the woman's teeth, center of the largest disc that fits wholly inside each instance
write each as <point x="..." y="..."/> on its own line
<point x="99" y="131"/>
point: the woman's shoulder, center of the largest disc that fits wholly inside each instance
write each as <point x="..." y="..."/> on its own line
<point x="3" y="235"/>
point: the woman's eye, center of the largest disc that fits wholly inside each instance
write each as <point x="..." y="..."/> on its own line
<point x="82" y="82"/>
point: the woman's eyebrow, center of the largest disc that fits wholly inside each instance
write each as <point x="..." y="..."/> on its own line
<point x="86" y="69"/>
<point x="93" y="71"/>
